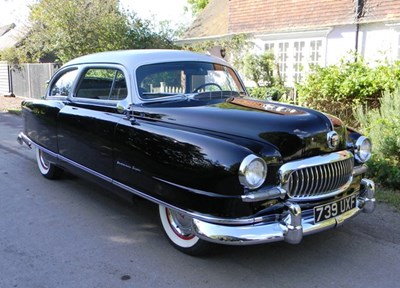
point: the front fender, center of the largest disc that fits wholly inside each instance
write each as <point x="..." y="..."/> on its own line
<point x="180" y="167"/>
<point x="177" y="156"/>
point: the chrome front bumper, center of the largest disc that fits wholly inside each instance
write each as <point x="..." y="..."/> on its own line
<point x="291" y="228"/>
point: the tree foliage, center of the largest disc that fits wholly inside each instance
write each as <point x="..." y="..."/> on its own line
<point x="66" y="29"/>
<point x="197" y="5"/>
<point x="263" y="71"/>
<point x="235" y="47"/>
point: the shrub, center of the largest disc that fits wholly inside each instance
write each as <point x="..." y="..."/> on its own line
<point x="339" y="89"/>
<point x="382" y="126"/>
<point x="262" y="70"/>
<point x="269" y="93"/>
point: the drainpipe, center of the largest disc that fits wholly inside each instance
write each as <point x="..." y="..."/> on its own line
<point x="358" y="13"/>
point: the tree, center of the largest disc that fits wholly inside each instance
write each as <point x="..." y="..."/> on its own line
<point x="67" y="29"/>
<point x="197" y="5"/>
<point x="262" y="70"/>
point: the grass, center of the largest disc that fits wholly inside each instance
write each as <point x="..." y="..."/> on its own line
<point x="15" y="111"/>
<point x="387" y="195"/>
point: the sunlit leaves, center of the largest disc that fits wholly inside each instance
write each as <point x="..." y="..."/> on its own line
<point x="62" y="30"/>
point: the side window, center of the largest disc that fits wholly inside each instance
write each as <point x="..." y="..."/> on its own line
<point x="102" y="83"/>
<point x="63" y="85"/>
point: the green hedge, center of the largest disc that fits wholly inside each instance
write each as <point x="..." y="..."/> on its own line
<point x="339" y="89"/>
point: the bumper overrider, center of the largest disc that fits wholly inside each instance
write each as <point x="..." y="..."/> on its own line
<point x="291" y="228"/>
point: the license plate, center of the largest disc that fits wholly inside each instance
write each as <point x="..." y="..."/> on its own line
<point x="333" y="209"/>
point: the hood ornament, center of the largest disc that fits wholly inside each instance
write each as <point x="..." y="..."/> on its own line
<point x="333" y="139"/>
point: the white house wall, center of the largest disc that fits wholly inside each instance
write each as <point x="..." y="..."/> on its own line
<point x="340" y="41"/>
<point x="380" y="41"/>
<point x="377" y="41"/>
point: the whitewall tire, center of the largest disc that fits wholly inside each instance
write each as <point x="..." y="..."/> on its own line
<point x="178" y="229"/>
<point x="46" y="168"/>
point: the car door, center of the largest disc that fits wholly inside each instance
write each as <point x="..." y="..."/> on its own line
<point x="86" y="124"/>
<point x="40" y="115"/>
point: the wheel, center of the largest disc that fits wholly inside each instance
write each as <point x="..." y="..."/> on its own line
<point x="205" y="85"/>
<point x="47" y="169"/>
<point x="178" y="229"/>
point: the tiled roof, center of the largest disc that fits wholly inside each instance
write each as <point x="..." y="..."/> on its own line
<point x="382" y="10"/>
<point x="212" y="21"/>
<point x="223" y="17"/>
<point x="288" y="15"/>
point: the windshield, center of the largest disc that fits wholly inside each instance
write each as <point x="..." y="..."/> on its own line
<point x="168" y="79"/>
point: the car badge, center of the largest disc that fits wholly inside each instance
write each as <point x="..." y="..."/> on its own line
<point x="333" y="139"/>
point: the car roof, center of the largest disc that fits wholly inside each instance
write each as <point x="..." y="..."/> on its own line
<point x="136" y="58"/>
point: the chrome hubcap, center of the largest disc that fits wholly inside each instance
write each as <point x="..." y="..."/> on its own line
<point x="180" y="224"/>
<point x="43" y="161"/>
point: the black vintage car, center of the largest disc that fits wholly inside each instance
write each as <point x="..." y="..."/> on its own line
<point x="179" y="129"/>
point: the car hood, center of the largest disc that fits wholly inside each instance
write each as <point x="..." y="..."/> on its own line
<point x="295" y="132"/>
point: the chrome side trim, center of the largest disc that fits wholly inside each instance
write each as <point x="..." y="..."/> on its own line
<point x="196" y="215"/>
<point x="203" y="217"/>
<point x="88" y="170"/>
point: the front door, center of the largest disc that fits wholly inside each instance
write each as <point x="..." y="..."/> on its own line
<point x="86" y="124"/>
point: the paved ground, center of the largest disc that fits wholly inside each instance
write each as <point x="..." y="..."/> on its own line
<point x="71" y="233"/>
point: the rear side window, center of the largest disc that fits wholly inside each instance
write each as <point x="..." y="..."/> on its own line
<point x="102" y="83"/>
<point x="63" y="85"/>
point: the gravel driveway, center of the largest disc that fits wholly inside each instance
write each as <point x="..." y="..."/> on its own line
<point x="10" y="103"/>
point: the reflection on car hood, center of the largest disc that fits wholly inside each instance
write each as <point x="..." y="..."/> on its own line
<point x="296" y="132"/>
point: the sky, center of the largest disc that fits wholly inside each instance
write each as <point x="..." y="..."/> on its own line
<point x="172" y="10"/>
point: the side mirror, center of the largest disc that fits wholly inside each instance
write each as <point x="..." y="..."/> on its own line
<point x="124" y="107"/>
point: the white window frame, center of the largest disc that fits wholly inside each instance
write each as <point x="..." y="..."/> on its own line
<point x="295" y="60"/>
<point x="296" y="68"/>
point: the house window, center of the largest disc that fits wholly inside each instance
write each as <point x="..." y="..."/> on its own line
<point x="283" y="56"/>
<point x="298" y="60"/>
<point x="315" y="51"/>
<point x="269" y="47"/>
<point x="294" y="57"/>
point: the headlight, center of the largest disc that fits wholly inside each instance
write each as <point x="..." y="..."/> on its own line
<point x="363" y="149"/>
<point x="252" y="172"/>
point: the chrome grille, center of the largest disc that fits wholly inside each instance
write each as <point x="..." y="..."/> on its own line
<point x="305" y="180"/>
